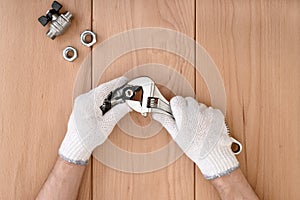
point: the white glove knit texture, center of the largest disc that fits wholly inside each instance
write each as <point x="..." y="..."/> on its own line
<point x="87" y="128"/>
<point x="200" y="131"/>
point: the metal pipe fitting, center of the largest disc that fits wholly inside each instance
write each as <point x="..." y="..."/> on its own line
<point x="59" y="25"/>
<point x="58" y="22"/>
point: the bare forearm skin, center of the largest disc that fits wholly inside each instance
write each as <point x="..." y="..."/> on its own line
<point x="63" y="182"/>
<point x="234" y="186"/>
<point x="65" y="178"/>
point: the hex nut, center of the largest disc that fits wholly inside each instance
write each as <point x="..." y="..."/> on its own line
<point x="66" y="52"/>
<point x="83" y="36"/>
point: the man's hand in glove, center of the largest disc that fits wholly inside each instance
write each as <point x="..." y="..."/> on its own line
<point x="200" y="131"/>
<point x="87" y="128"/>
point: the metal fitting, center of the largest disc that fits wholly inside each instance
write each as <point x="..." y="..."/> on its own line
<point x="59" y="22"/>
<point x="59" y="25"/>
<point x="83" y="38"/>
<point x="70" y="53"/>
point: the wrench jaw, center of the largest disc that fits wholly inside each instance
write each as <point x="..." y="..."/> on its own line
<point x="152" y="100"/>
<point x="140" y="105"/>
<point x="149" y="100"/>
<point x="119" y="95"/>
<point x="135" y="105"/>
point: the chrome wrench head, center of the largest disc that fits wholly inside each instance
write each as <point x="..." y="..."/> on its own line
<point x="151" y="99"/>
<point x="141" y="95"/>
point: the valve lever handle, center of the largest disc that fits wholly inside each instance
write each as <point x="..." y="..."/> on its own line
<point x="44" y="20"/>
<point x="56" y="6"/>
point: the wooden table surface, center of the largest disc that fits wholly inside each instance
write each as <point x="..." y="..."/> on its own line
<point x="255" y="44"/>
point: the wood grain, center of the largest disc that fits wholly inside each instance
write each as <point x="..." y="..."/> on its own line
<point x="177" y="180"/>
<point x="36" y="93"/>
<point x="256" y="45"/>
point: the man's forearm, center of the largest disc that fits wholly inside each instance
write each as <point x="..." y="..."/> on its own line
<point x="234" y="186"/>
<point x="63" y="182"/>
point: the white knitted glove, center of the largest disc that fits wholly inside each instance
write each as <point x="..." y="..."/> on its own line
<point x="202" y="134"/>
<point x="87" y="128"/>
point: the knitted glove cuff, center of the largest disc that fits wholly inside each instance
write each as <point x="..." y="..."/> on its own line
<point x="220" y="162"/>
<point x="72" y="149"/>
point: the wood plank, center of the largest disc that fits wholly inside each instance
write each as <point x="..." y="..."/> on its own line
<point x="36" y="94"/>
<point x="255" y="44"/>
<point x="177" y="180"/>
